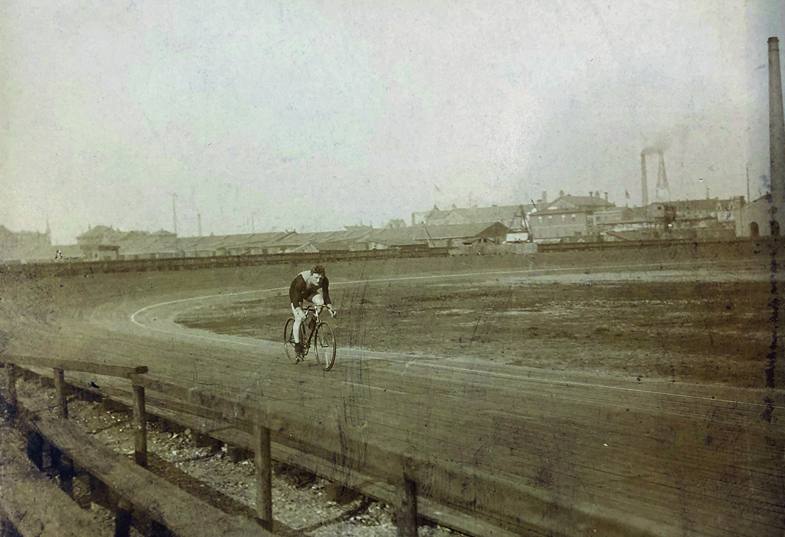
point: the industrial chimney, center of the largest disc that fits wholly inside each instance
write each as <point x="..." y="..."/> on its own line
<point x="644" y="185"/>
<point x="776" y="138"/>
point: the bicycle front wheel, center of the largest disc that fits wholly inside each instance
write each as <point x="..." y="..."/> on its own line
<point x="288" y="340"/>
<point x="324" y="346"/>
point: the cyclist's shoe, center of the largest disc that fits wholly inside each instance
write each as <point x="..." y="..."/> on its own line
<point x="298" y="352"/>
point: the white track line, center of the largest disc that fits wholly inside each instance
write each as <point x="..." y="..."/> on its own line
<point x="570" y="383"/>
<point x="386" y="390"/>
<point x="434" y="276"/>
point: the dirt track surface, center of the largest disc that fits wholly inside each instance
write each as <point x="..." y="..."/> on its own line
<point x="654" y="447"/>
<point x="697" y="326"/>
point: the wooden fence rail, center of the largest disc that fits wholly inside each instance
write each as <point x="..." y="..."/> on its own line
<point x="167" y="506"/>
<point x="59" y="367"/>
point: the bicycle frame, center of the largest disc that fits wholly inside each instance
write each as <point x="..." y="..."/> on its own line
<point x="311" y="313"/>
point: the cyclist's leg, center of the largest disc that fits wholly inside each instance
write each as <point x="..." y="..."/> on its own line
<point x="309" y="302"/>
<point x="298" y="321"/>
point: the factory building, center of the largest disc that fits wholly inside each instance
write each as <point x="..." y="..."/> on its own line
<point x="568" y="217"/>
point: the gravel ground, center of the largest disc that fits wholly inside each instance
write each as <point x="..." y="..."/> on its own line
<point x="303" y="504"/>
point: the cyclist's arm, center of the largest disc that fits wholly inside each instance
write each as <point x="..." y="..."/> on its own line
<point x="326" y="293"/>
<point x="296" y="291"/>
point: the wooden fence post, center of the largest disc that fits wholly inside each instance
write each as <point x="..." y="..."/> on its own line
<point x="122" y="521"/>
<point x="67" y="475"/>
<point x="263" y="464"/>
<point x="35" y="449"/>
<point x="6" y="528"/>
<point x="140" y="425"/>
<point x="234" y="453"/>
<point x="64" y="468"/>
<point x="62" y="403"/>
<point x="407" y="510"/>
<point x="99" y="493"/>
<point x="159" y="530"/>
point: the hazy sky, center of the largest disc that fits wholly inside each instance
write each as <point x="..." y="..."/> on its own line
<point x="311" y="115"/>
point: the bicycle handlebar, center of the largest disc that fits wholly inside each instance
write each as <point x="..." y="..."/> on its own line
<point x="317" y="309"/>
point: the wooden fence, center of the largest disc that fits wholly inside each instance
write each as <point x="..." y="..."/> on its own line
<point x="494" y="509"/>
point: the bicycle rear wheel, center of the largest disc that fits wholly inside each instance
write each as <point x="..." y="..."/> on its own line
<point x="288" y="339"/>
<point x="324" y="346"/>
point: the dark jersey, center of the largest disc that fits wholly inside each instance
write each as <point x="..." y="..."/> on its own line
<point x="300" y="290"/>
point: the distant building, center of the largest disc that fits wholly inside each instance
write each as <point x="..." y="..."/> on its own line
<point x="509" y="215"/>
<point x="99" y="243"/>
<point x="25" y="246"/>
<point x="462" y="235"/>
<point x="711" y="218"/>
<point x="681" y="219"/>
<point x="624" y="223"/>
<point x="755" y="220"/>
<point x="716" y="209"/>
<point x="395" y="223"/>
<point x="240" y="244"/>
<point x="434" y="236"/>
<point x="567" y="217"/>
<point x="102" y="243"/>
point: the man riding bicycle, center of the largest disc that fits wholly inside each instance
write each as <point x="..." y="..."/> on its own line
<point x="309" y="286"/>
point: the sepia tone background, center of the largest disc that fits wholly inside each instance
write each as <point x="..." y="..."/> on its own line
<point x="548" y="230"/>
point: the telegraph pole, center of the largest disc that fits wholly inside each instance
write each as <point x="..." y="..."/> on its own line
<point x="174" y="213"/>
<point x="748" y="183"/>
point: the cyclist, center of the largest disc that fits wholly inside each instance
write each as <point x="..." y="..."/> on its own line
<point x="308" y="286"/>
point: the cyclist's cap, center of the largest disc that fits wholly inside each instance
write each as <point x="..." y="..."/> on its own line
<point x="318" y="269"/>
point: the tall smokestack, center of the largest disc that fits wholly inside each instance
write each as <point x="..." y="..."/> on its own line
<point x="644" y="184"/>
<point x="776" y="134"/>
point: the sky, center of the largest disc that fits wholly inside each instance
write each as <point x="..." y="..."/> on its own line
<point x="315" y="115"/>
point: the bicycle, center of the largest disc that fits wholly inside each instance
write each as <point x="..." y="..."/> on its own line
<point x="321" y="335"/>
